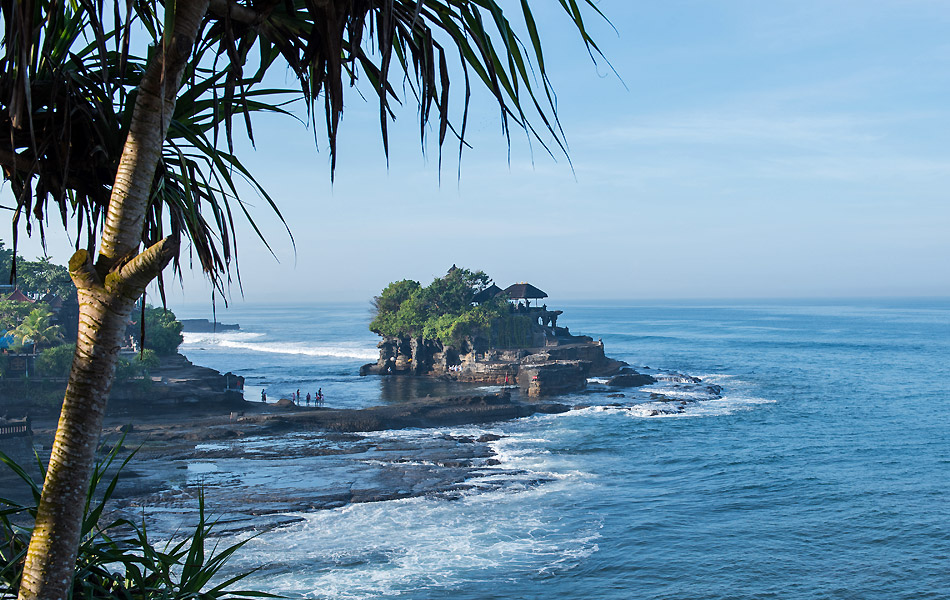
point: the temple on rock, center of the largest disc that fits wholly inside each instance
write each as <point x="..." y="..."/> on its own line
<point x="464" y="327"/>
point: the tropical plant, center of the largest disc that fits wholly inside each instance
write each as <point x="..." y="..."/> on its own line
<point x="441" y="311"/>
<point x="137" y="365"/>
<point x="12" y="313"/>
<point x="116" y="560"/>
<point x="55" y="361"/>
<point x="162" y="331"/>
<point x="139" y="149"/>
<point x="37" y="329"/>
<point x="41" y="277"/>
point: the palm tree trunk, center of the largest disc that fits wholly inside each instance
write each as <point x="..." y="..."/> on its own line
<point x="108" y="290"/>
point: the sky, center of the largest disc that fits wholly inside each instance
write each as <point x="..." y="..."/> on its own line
<point x="741" y="150"/>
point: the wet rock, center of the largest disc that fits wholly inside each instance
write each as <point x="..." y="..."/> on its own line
<point x="629" y="380"/>
<point x="488" y="437"/>
<point x="549" y="378"/>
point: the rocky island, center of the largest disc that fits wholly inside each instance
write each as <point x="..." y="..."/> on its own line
<point x="463" y="327"/>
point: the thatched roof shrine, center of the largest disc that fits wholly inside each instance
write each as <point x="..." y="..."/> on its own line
<point x="524" y="291"/>
<point x="486" y="294"/>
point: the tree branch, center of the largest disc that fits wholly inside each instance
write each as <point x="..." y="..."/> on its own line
<point x="82" y="271"/>
<point x="136" y="274"/>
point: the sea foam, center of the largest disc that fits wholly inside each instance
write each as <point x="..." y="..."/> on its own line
<point x="246" y="341"/>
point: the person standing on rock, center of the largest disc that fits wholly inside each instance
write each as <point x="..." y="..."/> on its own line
<point x="263" y="395"/>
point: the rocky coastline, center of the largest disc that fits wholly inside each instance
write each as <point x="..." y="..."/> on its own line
<point x="200" y="436"/>
<point x="193" y="430"/>
<point x="560" y="363"/>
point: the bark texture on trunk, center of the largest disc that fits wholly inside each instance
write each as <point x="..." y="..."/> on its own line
<point x="108" y="290"/>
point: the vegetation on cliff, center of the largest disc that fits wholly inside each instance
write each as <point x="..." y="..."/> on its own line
<point x="441" y="311"/>
<point x="444" y="311"/>
<point x="162" y="331"/>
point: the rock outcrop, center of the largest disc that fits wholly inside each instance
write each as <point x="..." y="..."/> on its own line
<point x="629" y="378"/>
<point x="178" y="381"/>
<point x="206" y="326"/>
<point x="421" y="412"/>
<point x="561" y="363"/>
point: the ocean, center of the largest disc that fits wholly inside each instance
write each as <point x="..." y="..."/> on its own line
<point x="822" y="470"/>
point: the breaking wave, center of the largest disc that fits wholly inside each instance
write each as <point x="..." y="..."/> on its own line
<point x="246" y="341"/>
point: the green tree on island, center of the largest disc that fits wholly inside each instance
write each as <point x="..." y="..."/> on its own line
<point x="137" y="150"/>
<point x="444" y="312"/>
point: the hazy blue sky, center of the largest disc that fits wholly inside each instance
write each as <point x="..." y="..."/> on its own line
<point x="761" y="149"/>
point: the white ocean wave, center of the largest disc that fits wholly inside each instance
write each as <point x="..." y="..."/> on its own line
<point x="716" y="407"/>
<point x="403" y="546"/>
<point x="717" y="378"/>
<point x="193" y="338"/>
<point x="245" y="341"/>
<point x="687" y="394"/>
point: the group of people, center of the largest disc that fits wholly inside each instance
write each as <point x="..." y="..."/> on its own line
<point x="317" y="398"/>
<point x="295" y="396"/>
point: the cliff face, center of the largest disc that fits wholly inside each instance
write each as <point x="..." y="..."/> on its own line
<point x="558" y="364"/>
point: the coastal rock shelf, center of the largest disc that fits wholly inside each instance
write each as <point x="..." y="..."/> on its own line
<point x="561" y="365"/>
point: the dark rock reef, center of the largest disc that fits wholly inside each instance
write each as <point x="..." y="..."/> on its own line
<point x="206" y="326"/>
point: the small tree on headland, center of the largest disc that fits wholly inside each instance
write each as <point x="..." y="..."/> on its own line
<point x="138" y="149"/>
<point x="162" y="331"/>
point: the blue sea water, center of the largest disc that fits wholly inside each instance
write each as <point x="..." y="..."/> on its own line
<point x="821" y="472"/>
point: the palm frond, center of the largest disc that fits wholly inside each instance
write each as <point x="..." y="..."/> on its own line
<point x="68" y="84"/>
